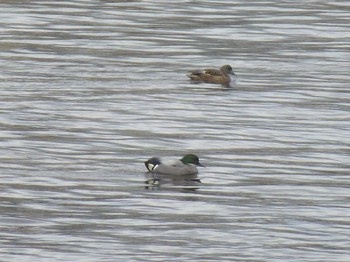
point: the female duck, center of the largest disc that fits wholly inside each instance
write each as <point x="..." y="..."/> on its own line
<point x="213" y="75"/>
<point x="185" y="166"/>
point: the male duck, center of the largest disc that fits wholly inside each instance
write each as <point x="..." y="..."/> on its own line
<point x="213" y="75"/>
<point x="185" y="166"/>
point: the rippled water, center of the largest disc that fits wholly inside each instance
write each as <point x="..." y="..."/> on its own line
<point x="91" y="89"/>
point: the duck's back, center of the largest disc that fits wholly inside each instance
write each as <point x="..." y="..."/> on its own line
<point x="213" y="72"/>
<point x="176" y="168"/>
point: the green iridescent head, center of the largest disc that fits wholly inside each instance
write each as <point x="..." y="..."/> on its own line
<point x="191" y="159"/>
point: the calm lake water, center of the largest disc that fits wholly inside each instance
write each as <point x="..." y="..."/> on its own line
<point x="89" y="90"/>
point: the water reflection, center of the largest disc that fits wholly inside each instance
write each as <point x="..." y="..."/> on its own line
<point x="189" y="182"/>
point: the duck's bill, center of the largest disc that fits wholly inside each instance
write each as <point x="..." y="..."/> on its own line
<point x="199" y="164"/>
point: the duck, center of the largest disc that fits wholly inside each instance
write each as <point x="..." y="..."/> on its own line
<point x="187" y="165"/>
<point x="213" y="76"/>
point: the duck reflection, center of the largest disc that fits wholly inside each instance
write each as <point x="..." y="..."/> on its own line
<point x="154" y="181"/>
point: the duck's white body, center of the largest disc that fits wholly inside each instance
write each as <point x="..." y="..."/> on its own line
<point x="173" y="167"/>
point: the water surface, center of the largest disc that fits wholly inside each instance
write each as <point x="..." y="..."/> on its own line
<point x="89" y="91"/>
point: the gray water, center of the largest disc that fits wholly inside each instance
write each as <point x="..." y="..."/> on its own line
<point x="89" y="90"/>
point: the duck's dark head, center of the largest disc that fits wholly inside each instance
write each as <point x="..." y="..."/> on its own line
<point x="227" y="69"/>
<point x="191" y="159"/>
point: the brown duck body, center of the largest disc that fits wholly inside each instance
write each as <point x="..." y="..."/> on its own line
<point x="214" y="76"/>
